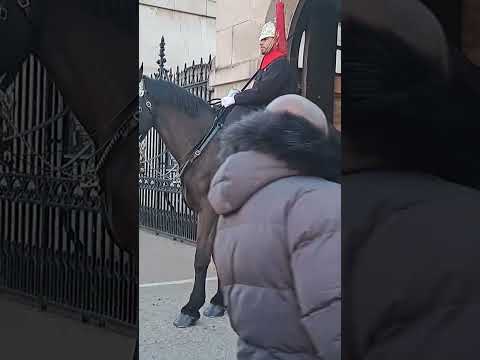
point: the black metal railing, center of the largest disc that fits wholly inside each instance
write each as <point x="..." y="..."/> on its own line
<point x="54" y="247"/>
<point x="162" y="207"/>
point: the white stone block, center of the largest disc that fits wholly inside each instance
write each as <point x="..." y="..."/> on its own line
<point x="192" y="6"/>
<point x="245" y="41"/>
<point x="232" y="12"/>
<point x="211" y="8"/>
<point x="224" y="48"/>
<point x="167" y="4"/>
<point x="259" y="8"/>
<point x="188" y="37"/>
<point x="238" y="72"/>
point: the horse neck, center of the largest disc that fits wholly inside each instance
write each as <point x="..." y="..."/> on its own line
<point x="96" y="106"/>
<point x="181" y="132"/>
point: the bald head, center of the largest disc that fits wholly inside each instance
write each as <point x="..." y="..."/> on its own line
<point x="302" y="107"/>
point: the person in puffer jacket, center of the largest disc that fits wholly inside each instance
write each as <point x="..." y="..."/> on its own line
<point x="277" y="247"/>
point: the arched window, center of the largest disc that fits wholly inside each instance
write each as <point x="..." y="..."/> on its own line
<point x="313" y="47"/>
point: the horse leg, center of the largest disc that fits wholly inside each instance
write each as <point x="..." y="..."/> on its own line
<point x="216" y="308"/>
<point x="190" y="312"/>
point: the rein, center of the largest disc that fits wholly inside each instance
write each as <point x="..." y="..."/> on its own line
<point x="214" y="129"/>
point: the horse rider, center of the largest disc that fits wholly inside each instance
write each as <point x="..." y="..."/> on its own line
<point x="274" y="78"/>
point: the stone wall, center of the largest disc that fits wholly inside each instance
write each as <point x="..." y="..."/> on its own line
<point x="238" y="26"/>
<point x="187" y="25"/>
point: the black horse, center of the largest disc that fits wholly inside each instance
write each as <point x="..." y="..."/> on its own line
<point x="183" y="120"/>
<point x="82" y="46"/>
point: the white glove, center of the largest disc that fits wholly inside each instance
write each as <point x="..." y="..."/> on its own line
<point x="228" y="101"/>
<point x="233" y="92"/>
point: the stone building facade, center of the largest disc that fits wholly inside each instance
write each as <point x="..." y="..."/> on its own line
<point x="188" y="27"/>
<point x="237" y="51"/>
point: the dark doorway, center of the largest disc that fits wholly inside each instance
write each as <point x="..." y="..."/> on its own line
<point x="449" y="13"/>
<point x="314" y="28"/>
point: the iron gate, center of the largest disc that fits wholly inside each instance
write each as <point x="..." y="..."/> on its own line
<point x="162" y="207"/>
<point x="54" y="247"/>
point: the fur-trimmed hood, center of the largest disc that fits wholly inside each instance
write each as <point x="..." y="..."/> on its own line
<point x="265" y="147"/>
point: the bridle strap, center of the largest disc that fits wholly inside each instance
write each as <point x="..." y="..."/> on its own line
<point x="203" y="143"/>
<point x="25" y="5"/>
<point x="125" y="129"/>
<point x="3" y="12"/>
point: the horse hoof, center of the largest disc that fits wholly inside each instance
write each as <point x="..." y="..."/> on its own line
<point x="213" y="311"/>
<point x="184" y="321"/>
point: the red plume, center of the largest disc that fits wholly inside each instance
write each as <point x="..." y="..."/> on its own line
<point x="280" y="15"/>
<point x="281" y="49"/>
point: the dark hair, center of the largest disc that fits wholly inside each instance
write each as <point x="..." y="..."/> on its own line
<point x="289" y="138"/>
<point x="168" y="93"/>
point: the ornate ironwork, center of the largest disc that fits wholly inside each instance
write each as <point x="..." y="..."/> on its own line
<point x="48" y="191"/>
<point x="154" y="183"/>
<point x="161" y="60"/>
<point x="54" y="247"/>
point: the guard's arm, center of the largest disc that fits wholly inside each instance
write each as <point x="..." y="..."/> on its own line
<point x="268" y="88"/>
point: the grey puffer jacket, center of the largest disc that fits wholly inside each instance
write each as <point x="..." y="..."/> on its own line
<point x="277" y="249"/>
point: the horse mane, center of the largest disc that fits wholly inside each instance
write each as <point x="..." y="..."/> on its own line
<point x="168" y="93"/>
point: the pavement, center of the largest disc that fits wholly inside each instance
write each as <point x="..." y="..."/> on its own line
<point x="166" y="280"/>
<point x="27" y="333"/>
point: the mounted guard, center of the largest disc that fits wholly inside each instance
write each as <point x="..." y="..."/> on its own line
<point x="275" y="77"/>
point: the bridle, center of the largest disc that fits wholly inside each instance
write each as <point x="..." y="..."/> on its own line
<point x="122" y="132"/>
<point x="126" y="128"/>
<point x="200" y="147"/>
<point x="25" y="5"/>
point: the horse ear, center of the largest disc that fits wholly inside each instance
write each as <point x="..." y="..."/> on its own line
<point x="140" y="73"/>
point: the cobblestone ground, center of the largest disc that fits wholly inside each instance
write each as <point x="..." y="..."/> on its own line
<point x="164" y="265"/>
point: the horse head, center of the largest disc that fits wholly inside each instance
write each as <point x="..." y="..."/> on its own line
<point x="145" y="110"/>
